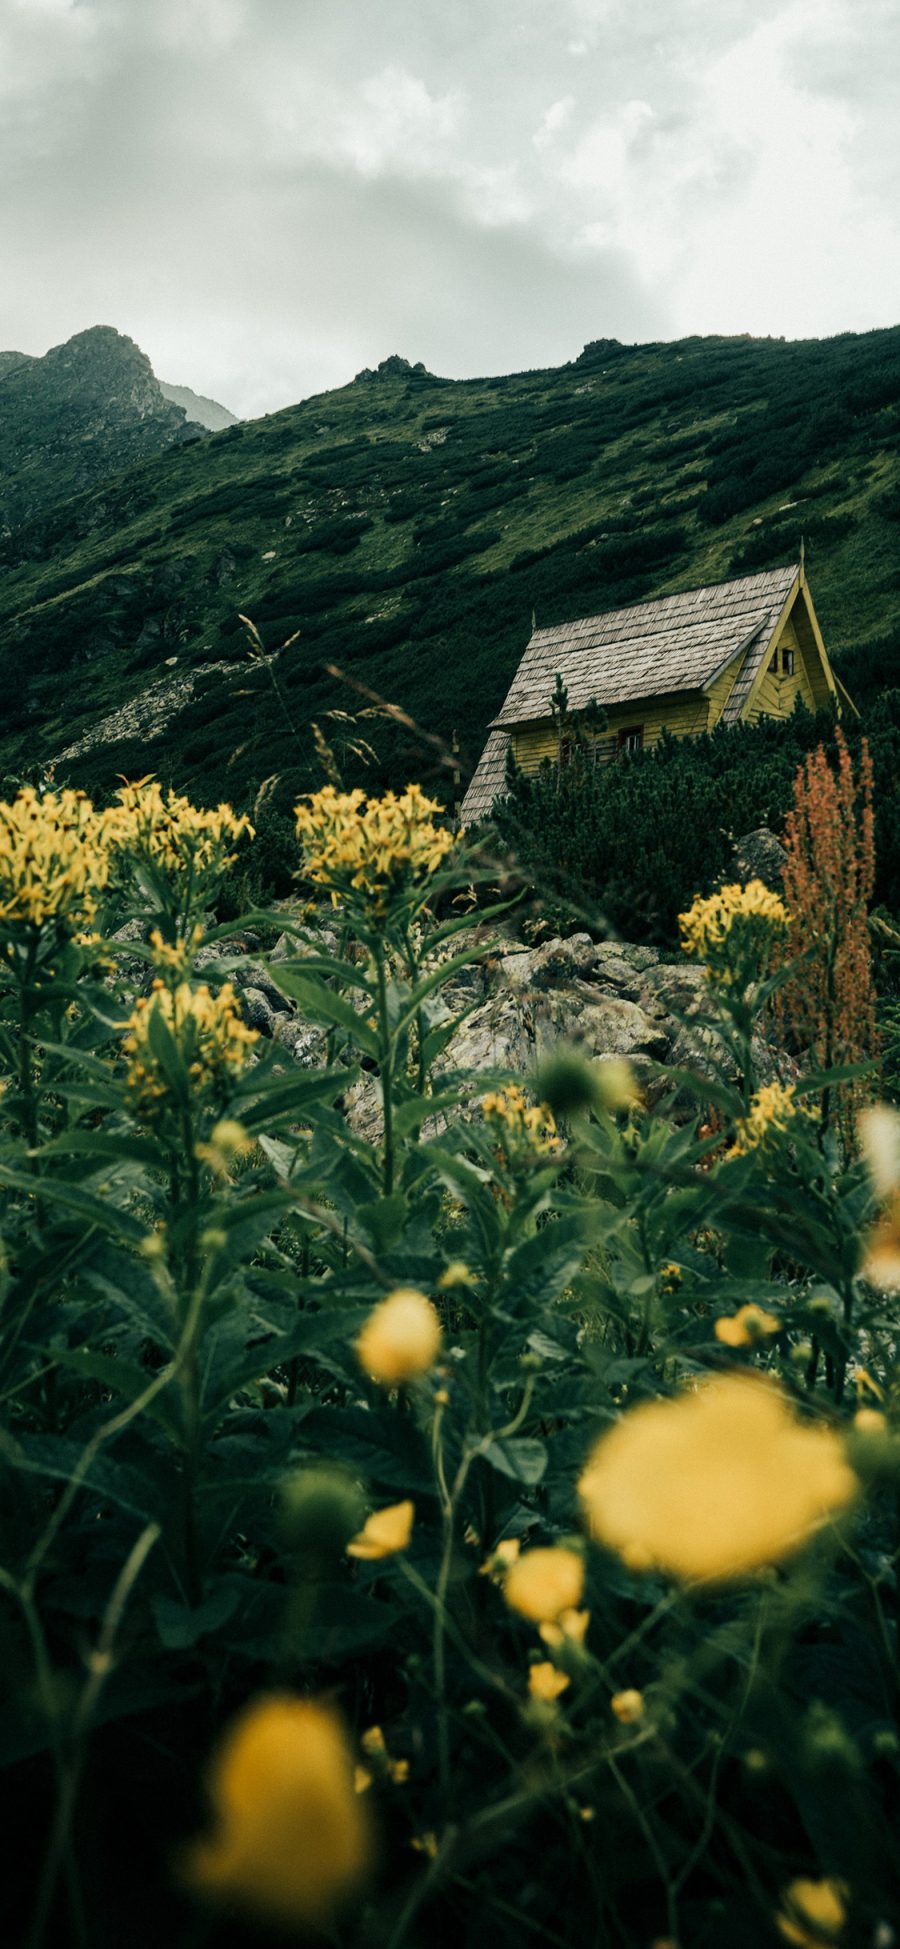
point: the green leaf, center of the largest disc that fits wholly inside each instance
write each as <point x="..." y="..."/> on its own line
<point x="380" y="1444"/>
<point x="312" y="1333"/>
<point x="180" y="1627"/>
<point x="521" y="1457"/>
<point x="122" y="1377"/>
<point x="323" y="1004"/>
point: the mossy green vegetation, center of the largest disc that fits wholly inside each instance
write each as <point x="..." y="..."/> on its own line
<point x="405" y="528"/>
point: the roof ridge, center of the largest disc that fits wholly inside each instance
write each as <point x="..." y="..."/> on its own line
<point x="651" y="602"/>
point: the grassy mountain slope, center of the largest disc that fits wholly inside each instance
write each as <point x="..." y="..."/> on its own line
<point x="406" y="527"/>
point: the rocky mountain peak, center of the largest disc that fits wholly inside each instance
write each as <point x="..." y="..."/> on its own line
<point x="394" y="367"/>
<point x="87" y="409"/>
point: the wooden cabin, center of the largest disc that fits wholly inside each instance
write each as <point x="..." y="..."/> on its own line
<point x="683" y="663"/>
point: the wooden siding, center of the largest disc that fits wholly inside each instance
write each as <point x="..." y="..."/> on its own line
<point x="719" y="692"/>
<point x="685" y="717"/>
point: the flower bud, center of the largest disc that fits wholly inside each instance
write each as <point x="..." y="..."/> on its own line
<point x="321" y="1509"/>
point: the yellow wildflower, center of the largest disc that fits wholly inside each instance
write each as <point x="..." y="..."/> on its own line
<point x="384" y="1533"/>
<point x="746" y="1327"/>
<point x="176" y="955"/>
<point x="734" y="932"/>
<point x="426" y="1843"/>
<point x="519" y="1126"/>
<point x="499" y="1561"/>
<point x="627" y="1706"/>
<point x="54" y="860"/>
<point x="179" y="840"/>
<point x="545" y="1682"/>
<point x="291" y="1838"/>
<point x="543" y="1583"/>
<point x="213" y="1041"/>
<point x="374" y="1746"/>
<point x="814" y="1913"/>
<point x="770" y="1117"/>
<point x="370" y="847"/>
<point x="401" y="1337"/>
<point x="715" y="1483"/>
<point x="571" y="1626"/>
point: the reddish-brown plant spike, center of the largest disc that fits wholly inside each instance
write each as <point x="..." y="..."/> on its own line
<point x="829" y="1005"/>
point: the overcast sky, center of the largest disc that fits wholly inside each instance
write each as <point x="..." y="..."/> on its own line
<point x="269" y="194"/>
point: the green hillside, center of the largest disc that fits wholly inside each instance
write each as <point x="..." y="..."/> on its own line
<point x="406" y="527"/>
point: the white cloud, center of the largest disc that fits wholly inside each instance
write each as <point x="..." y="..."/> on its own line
<point x="553" y="121"/>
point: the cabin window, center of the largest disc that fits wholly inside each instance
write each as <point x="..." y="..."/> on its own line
<point x="630" y="738"/>
<point x="787" y="663"/>
<point x="773" y="663"/>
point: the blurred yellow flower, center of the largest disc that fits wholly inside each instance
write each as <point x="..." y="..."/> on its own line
<point x="878" y="1128"/>
<point x="619" y="1087"/>
<point x="384" y="1533"/>
<point x="870" y="1421"/>
<point x="715" y="1483"/>
<point x="545" y="1682"/>
<point x="543" y="1583"/>
<point x="734" y="932"/>
<point x="455" y="1274"/>
<point x="570" y="1625"/>
<point x="746" y="1327"/>
<point x="814" y="1913"/>
<point x="291" y="1836"/>
<point x="772" y="1115"/>
<point x="882" y="1261"/>
<point x="370" y="847"/>
<point x="518" y="1125"/>
<point x="401" y="1337"/>
<point x="228" y="1140"/>
<point x="627" y="1706"/>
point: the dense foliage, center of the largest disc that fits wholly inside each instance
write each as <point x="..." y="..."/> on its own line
<point x="479" y="1528"/>
<point x="637" y="838"/>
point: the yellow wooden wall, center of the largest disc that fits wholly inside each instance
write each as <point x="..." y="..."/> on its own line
<point x="775" y="695"/>
<point x="685" y="717"/>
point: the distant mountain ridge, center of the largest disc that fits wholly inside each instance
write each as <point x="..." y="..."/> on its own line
<point x="406" y="527"/>
<point x="85" y="410"/>
<point x="198" y="409"/>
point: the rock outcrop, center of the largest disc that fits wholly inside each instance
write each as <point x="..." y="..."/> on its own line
<point x="606" y="999"/>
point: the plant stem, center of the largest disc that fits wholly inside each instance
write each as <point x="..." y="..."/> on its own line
<point x="385" y="1064"/>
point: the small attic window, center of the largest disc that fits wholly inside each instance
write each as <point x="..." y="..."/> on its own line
<point x="773" y="663"/>
<point x="787" y="663"/>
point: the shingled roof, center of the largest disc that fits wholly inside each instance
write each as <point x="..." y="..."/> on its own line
<point x="652" y="649"/>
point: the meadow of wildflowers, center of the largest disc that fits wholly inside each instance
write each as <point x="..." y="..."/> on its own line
<point x="484" y="1530"/>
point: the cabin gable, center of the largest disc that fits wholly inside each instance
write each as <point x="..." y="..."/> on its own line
<point x="796" y="664"/>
